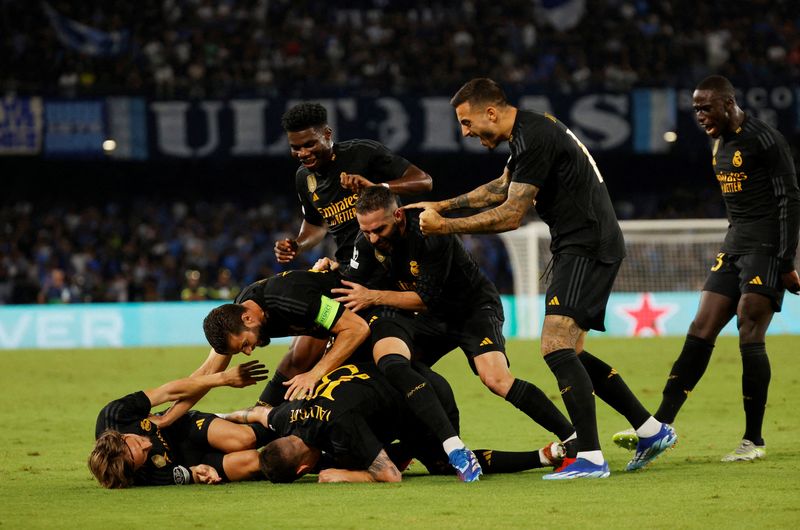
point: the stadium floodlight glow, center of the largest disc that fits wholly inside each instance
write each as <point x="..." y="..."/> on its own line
<point x="109" y="145"/>
<point x="670" y="136"/>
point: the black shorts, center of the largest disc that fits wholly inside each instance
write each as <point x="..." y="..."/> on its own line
<point x="477" y="331"/>
<point x="731" y="275"/>
<point x="192" y="432"/>
<point x="579" y="288"/>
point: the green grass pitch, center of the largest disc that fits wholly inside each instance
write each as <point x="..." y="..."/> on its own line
<point x="50" y="400"/>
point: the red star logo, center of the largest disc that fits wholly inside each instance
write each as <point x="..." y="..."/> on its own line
<point x="646" y="319"/>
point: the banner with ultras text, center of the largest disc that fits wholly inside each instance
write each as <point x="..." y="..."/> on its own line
<point x="180" y="323"/>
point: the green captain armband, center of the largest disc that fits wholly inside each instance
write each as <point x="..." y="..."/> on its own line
<point x="328" y="309"/>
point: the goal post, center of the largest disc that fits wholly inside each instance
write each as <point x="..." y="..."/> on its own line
<point x="664" y="255"/>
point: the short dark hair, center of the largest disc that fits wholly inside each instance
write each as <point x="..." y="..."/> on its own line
<point x="480" y="90"/>
<point x="222" y="322"/>
<point x="279" y="462"/>
<point x="110" y="461"/>
<point x="376" y="198"/>
<point x="718" y="84"/>
<point x="304" y="116"/>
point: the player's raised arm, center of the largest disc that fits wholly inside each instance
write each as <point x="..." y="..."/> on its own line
<point x="489" y="194"/>
<point x="310" y="235"/>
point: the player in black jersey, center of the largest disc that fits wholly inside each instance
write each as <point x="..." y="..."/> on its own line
<point x="354" y="416"/>
<point x="287" y="304"/>
<point x="550" y="168"/>
<point x="327" y="183"/>
<point x="456" y="305"/>
<point x="753" y="165"/>
<point x="134" y="447"/>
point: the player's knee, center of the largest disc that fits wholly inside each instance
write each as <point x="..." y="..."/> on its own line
<point x="499" y="382"/>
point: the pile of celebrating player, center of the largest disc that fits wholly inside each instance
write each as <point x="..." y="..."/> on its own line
<point x="355" y="397"/>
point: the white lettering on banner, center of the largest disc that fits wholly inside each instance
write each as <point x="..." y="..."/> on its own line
<point x="440" y="126"/>
<point x="779" y="97"/>
<point x="394" y="130"/>
<point x="102" y="329"/>
<point x="612" y="128"/>
<point x="11" y="337"/>
<point x="172" y="128"/>
<point x="248" y="127"/>
<point x="62" y="329"/>
<point x="52" y="330"/>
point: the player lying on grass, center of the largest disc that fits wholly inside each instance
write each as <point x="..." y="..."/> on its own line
<point x="135" y="447"/>
<point x="353" y="417"/>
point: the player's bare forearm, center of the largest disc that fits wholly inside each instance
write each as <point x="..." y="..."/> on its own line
<point x="408" y="300"/>
<point x="350" y="331"/>
<point x="489" y="194"/>
<point x="413" y="181"/>
<point x="383" y="469"/>
<point x="214" y="363"/>
<point x="331" y="475"/>
<point x="507" y="216"/>
<point x="310" y="236"/>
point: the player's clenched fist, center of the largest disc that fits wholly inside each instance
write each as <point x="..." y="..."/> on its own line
<point x="285" y="250"/>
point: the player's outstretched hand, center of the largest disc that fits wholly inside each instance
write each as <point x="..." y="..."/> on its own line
<point x="791" y="281"/>
<point x="246" y="374"/>
<point x="300" y="386"/>
<point x="354" y="183"/>
<point x="285" y="250"/>
<point x="205" y="474"/>
<point x="355" y="296"/>
<point x="423" y="205"/>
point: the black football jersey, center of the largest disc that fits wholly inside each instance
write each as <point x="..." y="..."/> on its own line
<point x="129" y="415"/>
<point x="296" y="302"/>
<point x="573" y="199"/>
<point x="325" y="201"/>
<point x="757" y="177"/>
<point x="353" y="413"/>
<point x="438" y="268"/>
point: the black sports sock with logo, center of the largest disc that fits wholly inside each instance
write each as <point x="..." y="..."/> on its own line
<point x="611" y="388"/>
<point x="686" y="372"/>
<point x="756" y="374"/>
<point x="419" y="394"/>
<point x="576" y="391"/>
<point x="530" y="399"/>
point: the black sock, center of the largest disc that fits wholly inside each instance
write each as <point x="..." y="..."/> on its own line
<point x="492" y="461"/>
<point x="419" y="395"/>
<point x="755" y="384"/>
<point x="274" y="391"/>
<point x="611" y="388"/>
<point x="685" y="373"/>
<point x="576" y="391"/>
<point x="532" y="401"/>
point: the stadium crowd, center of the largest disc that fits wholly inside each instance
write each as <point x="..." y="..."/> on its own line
<point x="159" y="251"/>
<point x="200" y="48"/>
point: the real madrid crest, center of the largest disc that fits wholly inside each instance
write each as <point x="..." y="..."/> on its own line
<point x="737" y="158"/>
<point x="159" y="460"/>
<point x="311" y="180"/>
<point x="145" y="424"/>
<point x="414" y="266"/>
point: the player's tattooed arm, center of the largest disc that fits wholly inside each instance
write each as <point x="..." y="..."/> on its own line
<point x="381" y="470"/>
<point x="507" y="216"/>
<point x="491" y="193"/>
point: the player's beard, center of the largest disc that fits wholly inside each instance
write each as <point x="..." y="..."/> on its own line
<point x="263" y="336"/>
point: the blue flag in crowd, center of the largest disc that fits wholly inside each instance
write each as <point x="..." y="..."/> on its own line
<point x="83" y="38"/>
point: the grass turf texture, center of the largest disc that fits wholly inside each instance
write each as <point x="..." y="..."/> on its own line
<point x="51" y="400"/>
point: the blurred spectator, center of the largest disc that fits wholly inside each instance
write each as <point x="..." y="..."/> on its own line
<point x="55" y="289"/>
<point x="193" y="289"/>
<point x="224" y="288"/>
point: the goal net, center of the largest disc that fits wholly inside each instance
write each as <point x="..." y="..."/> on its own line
<point x="662" y="255"/>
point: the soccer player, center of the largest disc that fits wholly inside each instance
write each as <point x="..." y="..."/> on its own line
<point x="456" y="306"/>
<point x="134" y="447"/>
<point x="327" y="182"/>
<point x="549" y="168"/>
<point x="753" y="165"/>
<point x="353" y="416"/>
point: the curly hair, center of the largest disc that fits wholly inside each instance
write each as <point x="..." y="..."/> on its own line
<point x="376" y="198"/>
<point x="481" y="90"/>
<point x="220" y="323"/>
<point x="304" y="116"/>
<point x="111" y="462"/>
